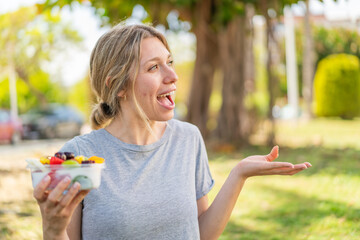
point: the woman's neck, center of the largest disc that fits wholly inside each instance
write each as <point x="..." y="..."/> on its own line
<point x="136" y="131"/>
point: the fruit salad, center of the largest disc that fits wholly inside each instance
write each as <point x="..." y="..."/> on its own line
<point x="86" y="171"/>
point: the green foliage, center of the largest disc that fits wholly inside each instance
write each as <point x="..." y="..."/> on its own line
<point x="326" y="41"/>
<point x="227" y="9"/>
<point x="335" y="40"/>
<point x="337" y="86"/>
<point x="81" y="97"/>
<point x="28" y="42"/>
<point x="25" y="98"/>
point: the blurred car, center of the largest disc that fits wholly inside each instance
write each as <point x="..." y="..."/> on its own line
<point x="56" y="121"/>
<point x="10" y="129"/>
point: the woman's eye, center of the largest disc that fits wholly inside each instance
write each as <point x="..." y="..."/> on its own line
<point x="170" y="63"/>
<point x="153" y="67"/>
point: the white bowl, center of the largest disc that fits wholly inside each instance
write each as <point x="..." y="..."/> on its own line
<point x="88" y="175"/>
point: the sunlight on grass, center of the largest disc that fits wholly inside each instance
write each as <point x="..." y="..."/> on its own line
<point x="20" y="221"/>
<point x="322" y="202"/>
<point x="333" y="133"/>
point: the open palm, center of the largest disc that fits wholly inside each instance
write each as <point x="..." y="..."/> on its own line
<point x="259" y="165"/>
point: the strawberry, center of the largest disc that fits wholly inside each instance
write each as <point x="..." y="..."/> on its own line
<point x="55" y="178"/>
<point x="55" y="160"/>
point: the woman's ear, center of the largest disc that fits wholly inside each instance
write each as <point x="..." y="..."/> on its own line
<point x="107" y="81"/>
<point x="121" y="93"/>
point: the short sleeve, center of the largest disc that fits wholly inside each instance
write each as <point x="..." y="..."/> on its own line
<point x="203" y="178"/>
<point x="71" y="146"/>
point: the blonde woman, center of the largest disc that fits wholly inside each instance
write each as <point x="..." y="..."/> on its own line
<point x="157" y="177"/>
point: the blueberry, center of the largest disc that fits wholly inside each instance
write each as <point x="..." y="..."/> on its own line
<point x="87" y="162"/>
<point x="69" y="155"/>
<point x="60" y="155"/>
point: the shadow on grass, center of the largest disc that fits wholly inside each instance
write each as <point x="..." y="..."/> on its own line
<point x="16" y="217"/>
<point x="297" y="215"/>
<point x="297" y="212"/>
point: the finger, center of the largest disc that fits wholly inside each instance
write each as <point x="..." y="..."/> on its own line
<point x="274" y="153"/>
<point x="57" y="192"/>
<point x="296" y="171"/>
<point x="297" y="168"/>
<point x="282" y="171"/>
<point x="273" y="165"/>
<point x="308" y="164"/>
<point x="78" y="198"/>
<point x="39" y="191"/>
<point x="285" y="170"/>
<point x="68" y="197"/>
<point x="290" y="172"/>
<point x="300" y="166"/>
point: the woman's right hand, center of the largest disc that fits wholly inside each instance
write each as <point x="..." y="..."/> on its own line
<point x="56" y="207"/>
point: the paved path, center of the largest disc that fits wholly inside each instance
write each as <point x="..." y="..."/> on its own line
<point x="15" y="179"/>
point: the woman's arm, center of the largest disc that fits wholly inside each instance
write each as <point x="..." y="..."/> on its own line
<point x="57" y="208"/>
<point x="213" y="219"/>
<point x="74" y="228"/>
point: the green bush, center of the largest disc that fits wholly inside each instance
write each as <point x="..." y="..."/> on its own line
<point x="337" y="87"/>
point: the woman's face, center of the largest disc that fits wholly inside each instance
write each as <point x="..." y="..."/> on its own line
<point x="155" y="84"/>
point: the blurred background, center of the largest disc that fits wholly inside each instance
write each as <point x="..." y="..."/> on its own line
<point x="252" y="74"/>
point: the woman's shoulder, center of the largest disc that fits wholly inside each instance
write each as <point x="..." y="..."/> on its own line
<point x="87" y="140"/>
<point x="179" y="126"/>
<point x="91" y="136"/>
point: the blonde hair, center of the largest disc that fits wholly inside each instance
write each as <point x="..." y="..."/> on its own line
<point x="114" y="65"/>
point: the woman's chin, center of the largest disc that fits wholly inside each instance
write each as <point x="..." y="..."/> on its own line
<point x="165" y="117"/>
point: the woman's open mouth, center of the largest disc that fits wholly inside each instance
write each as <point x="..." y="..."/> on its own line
<point x="166" y="100"/>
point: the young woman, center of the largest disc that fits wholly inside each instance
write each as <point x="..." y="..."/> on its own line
<point x="157" y="177"/>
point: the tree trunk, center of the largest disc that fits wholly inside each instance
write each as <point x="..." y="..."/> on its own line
<point x="205" y="64"/>
<point x="249" y="117"/>
<point x="308" y="62"/>
<point x="232" y="40"/>
<point x="270" y="46"/>
<point x="235" y="121"/>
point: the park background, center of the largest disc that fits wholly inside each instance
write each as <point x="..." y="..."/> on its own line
<point x="252" y="74"/>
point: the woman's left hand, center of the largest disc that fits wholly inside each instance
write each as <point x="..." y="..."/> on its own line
<point x="260" y="165"/>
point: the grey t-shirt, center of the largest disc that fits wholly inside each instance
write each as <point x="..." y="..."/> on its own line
<point x="146" y="191"/>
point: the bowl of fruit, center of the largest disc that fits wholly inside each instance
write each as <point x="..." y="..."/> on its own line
<point x="86" y="171"/>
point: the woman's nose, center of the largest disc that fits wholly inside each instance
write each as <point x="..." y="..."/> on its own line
<point x="170" y="75"/>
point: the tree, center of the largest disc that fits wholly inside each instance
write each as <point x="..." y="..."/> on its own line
<point x="308" y="61"/>
<point x="29" y="40"/>
<point x="215" y="24"/>
<point x="200" y="14"/>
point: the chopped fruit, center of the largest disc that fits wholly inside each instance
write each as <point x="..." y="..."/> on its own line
<point x="60" y="155"/>
<point x="69" y="155"/>
<point x="84" y="181"/>
<point x="97" y="159"/>
<point x="70" y="162"/>
<point x="87" y="162"/>
<point x="55" y="160"/>
<point x="55" y="178"/>
<point x="80" y="158"/>
<point x="80" y="169"/>
<point x="45" y="160"/>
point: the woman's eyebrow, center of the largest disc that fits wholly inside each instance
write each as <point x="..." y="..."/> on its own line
<point x="155" y="59"/>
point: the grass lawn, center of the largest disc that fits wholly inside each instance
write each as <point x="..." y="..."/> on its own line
<point x="322" y="202"/>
